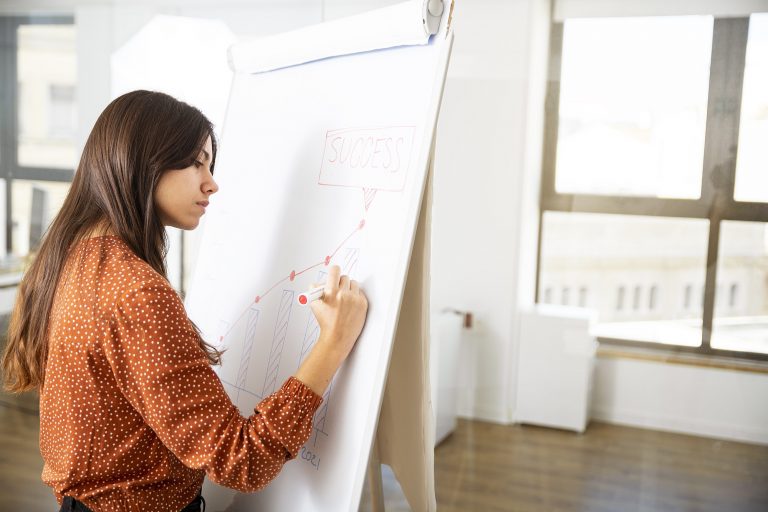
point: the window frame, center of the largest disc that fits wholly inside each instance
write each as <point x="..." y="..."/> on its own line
<point x="716" y="203"/>
<point x="9" y="129"/>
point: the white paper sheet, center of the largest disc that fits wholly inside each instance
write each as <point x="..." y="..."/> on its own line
<point x="397" y="25"/>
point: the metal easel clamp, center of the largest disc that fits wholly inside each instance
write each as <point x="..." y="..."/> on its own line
<point x="432" y="14"/>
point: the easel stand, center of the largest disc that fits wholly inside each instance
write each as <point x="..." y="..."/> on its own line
<point x="405" y="434"/>
<point x="374" y="481"/>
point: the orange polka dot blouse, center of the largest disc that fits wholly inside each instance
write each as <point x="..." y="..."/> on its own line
<point x="132" y="417"/>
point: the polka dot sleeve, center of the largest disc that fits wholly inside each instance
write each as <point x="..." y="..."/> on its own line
<point x="153" y="352"/>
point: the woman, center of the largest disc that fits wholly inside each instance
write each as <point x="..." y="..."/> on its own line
<point x="132" y="417"/>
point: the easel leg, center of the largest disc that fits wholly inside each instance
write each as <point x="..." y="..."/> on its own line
<point x="375" y="485"/>
<point x="410" y="456"/>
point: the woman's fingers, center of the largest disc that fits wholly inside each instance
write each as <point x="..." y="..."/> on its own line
<point x="332" y="282"/>
<point x="336" y="282"/>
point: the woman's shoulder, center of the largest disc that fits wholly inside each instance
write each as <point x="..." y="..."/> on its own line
<point x="117" y="266"/>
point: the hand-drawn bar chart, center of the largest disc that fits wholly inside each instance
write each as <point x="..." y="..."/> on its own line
<point x="278" y="342"/>
<point x="250" y="339"/>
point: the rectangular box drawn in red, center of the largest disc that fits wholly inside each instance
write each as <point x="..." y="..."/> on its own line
<point x="372" y="158"/>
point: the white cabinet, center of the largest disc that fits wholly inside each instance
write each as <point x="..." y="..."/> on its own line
<point x="555" y="366"/>
<point x="446" y="331"/>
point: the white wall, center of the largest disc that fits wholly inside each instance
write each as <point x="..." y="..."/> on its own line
<point x="486" y="189"/>
<point x="710" y="402"/>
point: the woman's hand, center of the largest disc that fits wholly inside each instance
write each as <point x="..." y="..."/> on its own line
<point x="341" y="311"/>
<point x="341" y="315"/>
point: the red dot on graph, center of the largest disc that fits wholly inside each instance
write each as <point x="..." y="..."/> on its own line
<point x="327" y="260"/>
<point x="302" y="299"/>
<point x="257" y="299"/>
<point x="293" y="275"/>
<point x="362" y="223"/>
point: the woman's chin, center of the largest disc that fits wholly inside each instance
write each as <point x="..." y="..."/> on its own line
<point x="186" y="226"/>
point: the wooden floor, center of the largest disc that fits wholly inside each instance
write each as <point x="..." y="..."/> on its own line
<point x="20" y="461"/>
<point x="487" y="467"/>
<point x="491" y="468"/>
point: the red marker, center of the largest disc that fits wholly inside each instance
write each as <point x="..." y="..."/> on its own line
<point x="307" y="297"/>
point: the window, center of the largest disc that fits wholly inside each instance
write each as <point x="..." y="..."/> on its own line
<point x="640" y="185"/>
<point x="33" y="205"/>
<point x="633" y="103"/>
<point x="38" y="72"/>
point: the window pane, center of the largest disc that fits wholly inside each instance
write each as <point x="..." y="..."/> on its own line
<point x="35" y="203"/>
<point x="645" y="275"/>
<point x="47" y="107"/>
<point x="752" y="159"/>
<point x="633" y="106"/>
<point x="741" y="306"/>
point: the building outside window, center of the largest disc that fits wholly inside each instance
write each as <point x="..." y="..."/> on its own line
<point x="582" y="297"/>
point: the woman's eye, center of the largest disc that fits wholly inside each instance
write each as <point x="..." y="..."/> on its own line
<point x="198" y="163"/>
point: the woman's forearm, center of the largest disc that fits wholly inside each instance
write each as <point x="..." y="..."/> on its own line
<point x="321" y="364"/>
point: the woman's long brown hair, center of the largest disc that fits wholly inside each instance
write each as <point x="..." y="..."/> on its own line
<point x="137" y="138"/>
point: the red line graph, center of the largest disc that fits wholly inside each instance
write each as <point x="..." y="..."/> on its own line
<point x="326" y="261"/>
